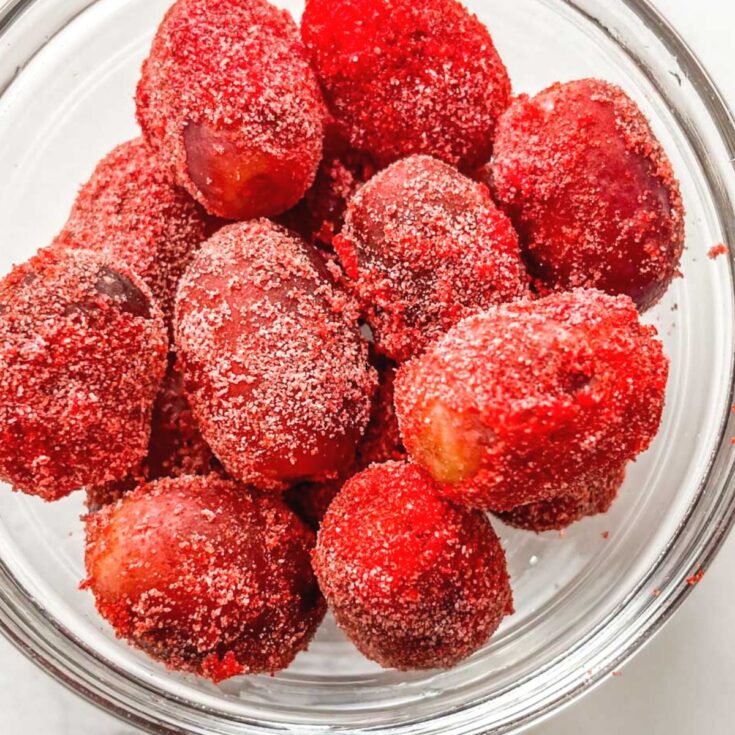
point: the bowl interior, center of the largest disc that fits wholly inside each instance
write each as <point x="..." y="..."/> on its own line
<point x="73" y="102"/>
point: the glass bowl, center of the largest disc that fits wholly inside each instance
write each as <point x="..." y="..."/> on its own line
<point x="585" y="602"/>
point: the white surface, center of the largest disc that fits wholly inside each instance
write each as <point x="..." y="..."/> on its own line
<point x="681" y="684"/>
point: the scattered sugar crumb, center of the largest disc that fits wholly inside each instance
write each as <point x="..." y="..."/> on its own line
<point x="696" y="578"/>
<point x="717" y="250"/>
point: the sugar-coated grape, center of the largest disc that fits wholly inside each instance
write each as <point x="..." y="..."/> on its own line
<point x="276" y="369"/>
<point x="403" y="77"/>
<point x="424" y="246"/>
<point x="590" y="190"/>
<point x="82" y="354"/>
<point x="517" y="402"/>
<point x="414" y="581"/>
<point x="228" y="98"/>
<point x="206" y="576"/>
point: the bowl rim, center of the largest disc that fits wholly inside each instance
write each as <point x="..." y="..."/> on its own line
<point x="21" y="617"/>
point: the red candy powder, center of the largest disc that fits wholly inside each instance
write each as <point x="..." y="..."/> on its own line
<point x="276" y="369"/>
<point x="319" y="216"/>
<point x="591" y="496"/>
<point x="205" y="576"/>
<point x="590" y="190"/>
<point x="228" y="98"/>
<point x="130" y="209"/>
<point x="414" y="581"/>
<point x="716" y="250"/>
<point x="82" y="355"/>
<point x="404" y="77"/>
<point x="176" y="446"/>
<point x="382" y="441"/>
<point x="423" y="247"/>
<point x="516" y="403"/>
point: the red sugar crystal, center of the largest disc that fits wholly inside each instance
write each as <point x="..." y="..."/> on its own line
<point x="696" y="578"/>
<point x="717" y="250"/>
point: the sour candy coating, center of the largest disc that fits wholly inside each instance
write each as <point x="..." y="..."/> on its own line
<point x="590" y="190"/>
<point x="402" y="77"/>
<point x="176" y="446"/>
<point x="414" y="581"/>
<point x="591" y="496"/>
<point x="319" y="216"/>
<point x="131" y="209"/>
<point x="381" y="441"/>
<point x="82" y="354"/>
<point x="229" y="100"/>
<point x="516" y="403"/>
<point x="206" y="576"/>
<point x="276" y="369"/>
<point x="423" y="247"/>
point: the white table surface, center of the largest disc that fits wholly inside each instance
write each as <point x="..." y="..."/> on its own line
<point x="681" y="684"/>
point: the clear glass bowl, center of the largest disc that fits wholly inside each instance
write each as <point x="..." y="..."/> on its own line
<point x="585" y="602"/>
